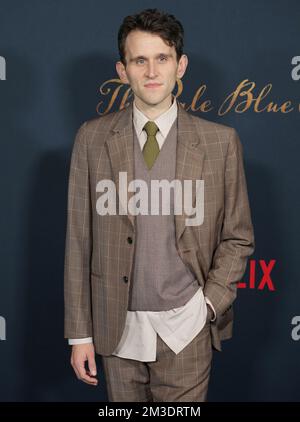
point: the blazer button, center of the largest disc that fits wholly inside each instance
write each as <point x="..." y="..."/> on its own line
<point x="129" y="240"/>
<point x="125" y="279"/>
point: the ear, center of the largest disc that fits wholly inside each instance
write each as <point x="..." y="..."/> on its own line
<point x="120" y="68"/>
<point x="182" y="65"/>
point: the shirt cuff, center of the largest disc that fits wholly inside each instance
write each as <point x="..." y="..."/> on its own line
<point x="85" y="340"/>
<point x="211" y="305"/>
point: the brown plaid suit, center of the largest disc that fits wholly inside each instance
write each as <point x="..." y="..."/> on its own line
<point x="98" y="258"/>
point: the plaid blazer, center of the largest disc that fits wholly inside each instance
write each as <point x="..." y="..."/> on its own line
<point x="99" y="250"/>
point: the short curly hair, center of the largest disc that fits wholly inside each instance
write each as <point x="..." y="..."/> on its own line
<point x="156" y="22"/>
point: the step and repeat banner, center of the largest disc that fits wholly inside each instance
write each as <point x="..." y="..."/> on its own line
<point x="57" y="70"/>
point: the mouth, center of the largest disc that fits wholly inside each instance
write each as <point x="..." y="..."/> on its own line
<point x="153" y="85"/>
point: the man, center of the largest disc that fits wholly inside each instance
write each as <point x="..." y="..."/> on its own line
<point x="149" y="293"/>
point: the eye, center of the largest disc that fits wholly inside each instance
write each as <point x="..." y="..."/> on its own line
<point x="140" y="61"/>
<point x="163" y="58"/>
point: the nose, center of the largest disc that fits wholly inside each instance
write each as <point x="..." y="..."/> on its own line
<point x="151" y="71"/>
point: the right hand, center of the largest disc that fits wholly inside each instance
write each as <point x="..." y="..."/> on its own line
<point x="80" y="354"/>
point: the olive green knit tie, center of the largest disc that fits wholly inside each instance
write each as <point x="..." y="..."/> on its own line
<point x="151" y="147"/>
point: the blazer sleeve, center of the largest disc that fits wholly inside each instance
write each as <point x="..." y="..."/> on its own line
<point x="237" y="235"/>
<point x="77" y="292"/>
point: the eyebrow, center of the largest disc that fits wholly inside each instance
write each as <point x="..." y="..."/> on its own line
<point x="145" y="58"/>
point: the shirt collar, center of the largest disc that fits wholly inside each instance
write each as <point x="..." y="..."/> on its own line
<point x="163" y="122"/>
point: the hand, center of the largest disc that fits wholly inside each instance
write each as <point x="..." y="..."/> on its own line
<point x="80" y="354"/>
<point x="210" y="314"/>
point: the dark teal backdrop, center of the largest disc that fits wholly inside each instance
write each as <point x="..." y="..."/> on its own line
<point x="57" y="55"/>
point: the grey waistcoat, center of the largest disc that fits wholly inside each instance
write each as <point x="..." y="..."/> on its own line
<point x="160" y="280"/>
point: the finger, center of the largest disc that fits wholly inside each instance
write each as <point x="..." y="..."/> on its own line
<point x="93" y="382"/>
<point x="92" y="364"/>
<point x="84" y="376"/>
<point x="92" y="376"/>
<point x="89" y="383"/>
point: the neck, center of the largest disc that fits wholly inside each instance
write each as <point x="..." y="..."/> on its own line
<point x="154" y="111"/>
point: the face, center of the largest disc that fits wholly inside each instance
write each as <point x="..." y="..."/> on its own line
<point x="151" y="68"/>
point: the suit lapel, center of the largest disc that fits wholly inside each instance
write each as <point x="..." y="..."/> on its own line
<point x="189" y="159"/>
<point x="120" y="149"/>
<point x="189" y="155"/>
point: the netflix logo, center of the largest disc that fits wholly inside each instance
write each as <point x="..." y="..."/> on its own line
<point x="259" y="275"/>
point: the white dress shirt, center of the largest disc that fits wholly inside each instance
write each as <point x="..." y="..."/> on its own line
<point x="177" y="327"/>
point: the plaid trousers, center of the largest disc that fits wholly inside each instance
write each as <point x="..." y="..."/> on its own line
<point x="171" y="378"/>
